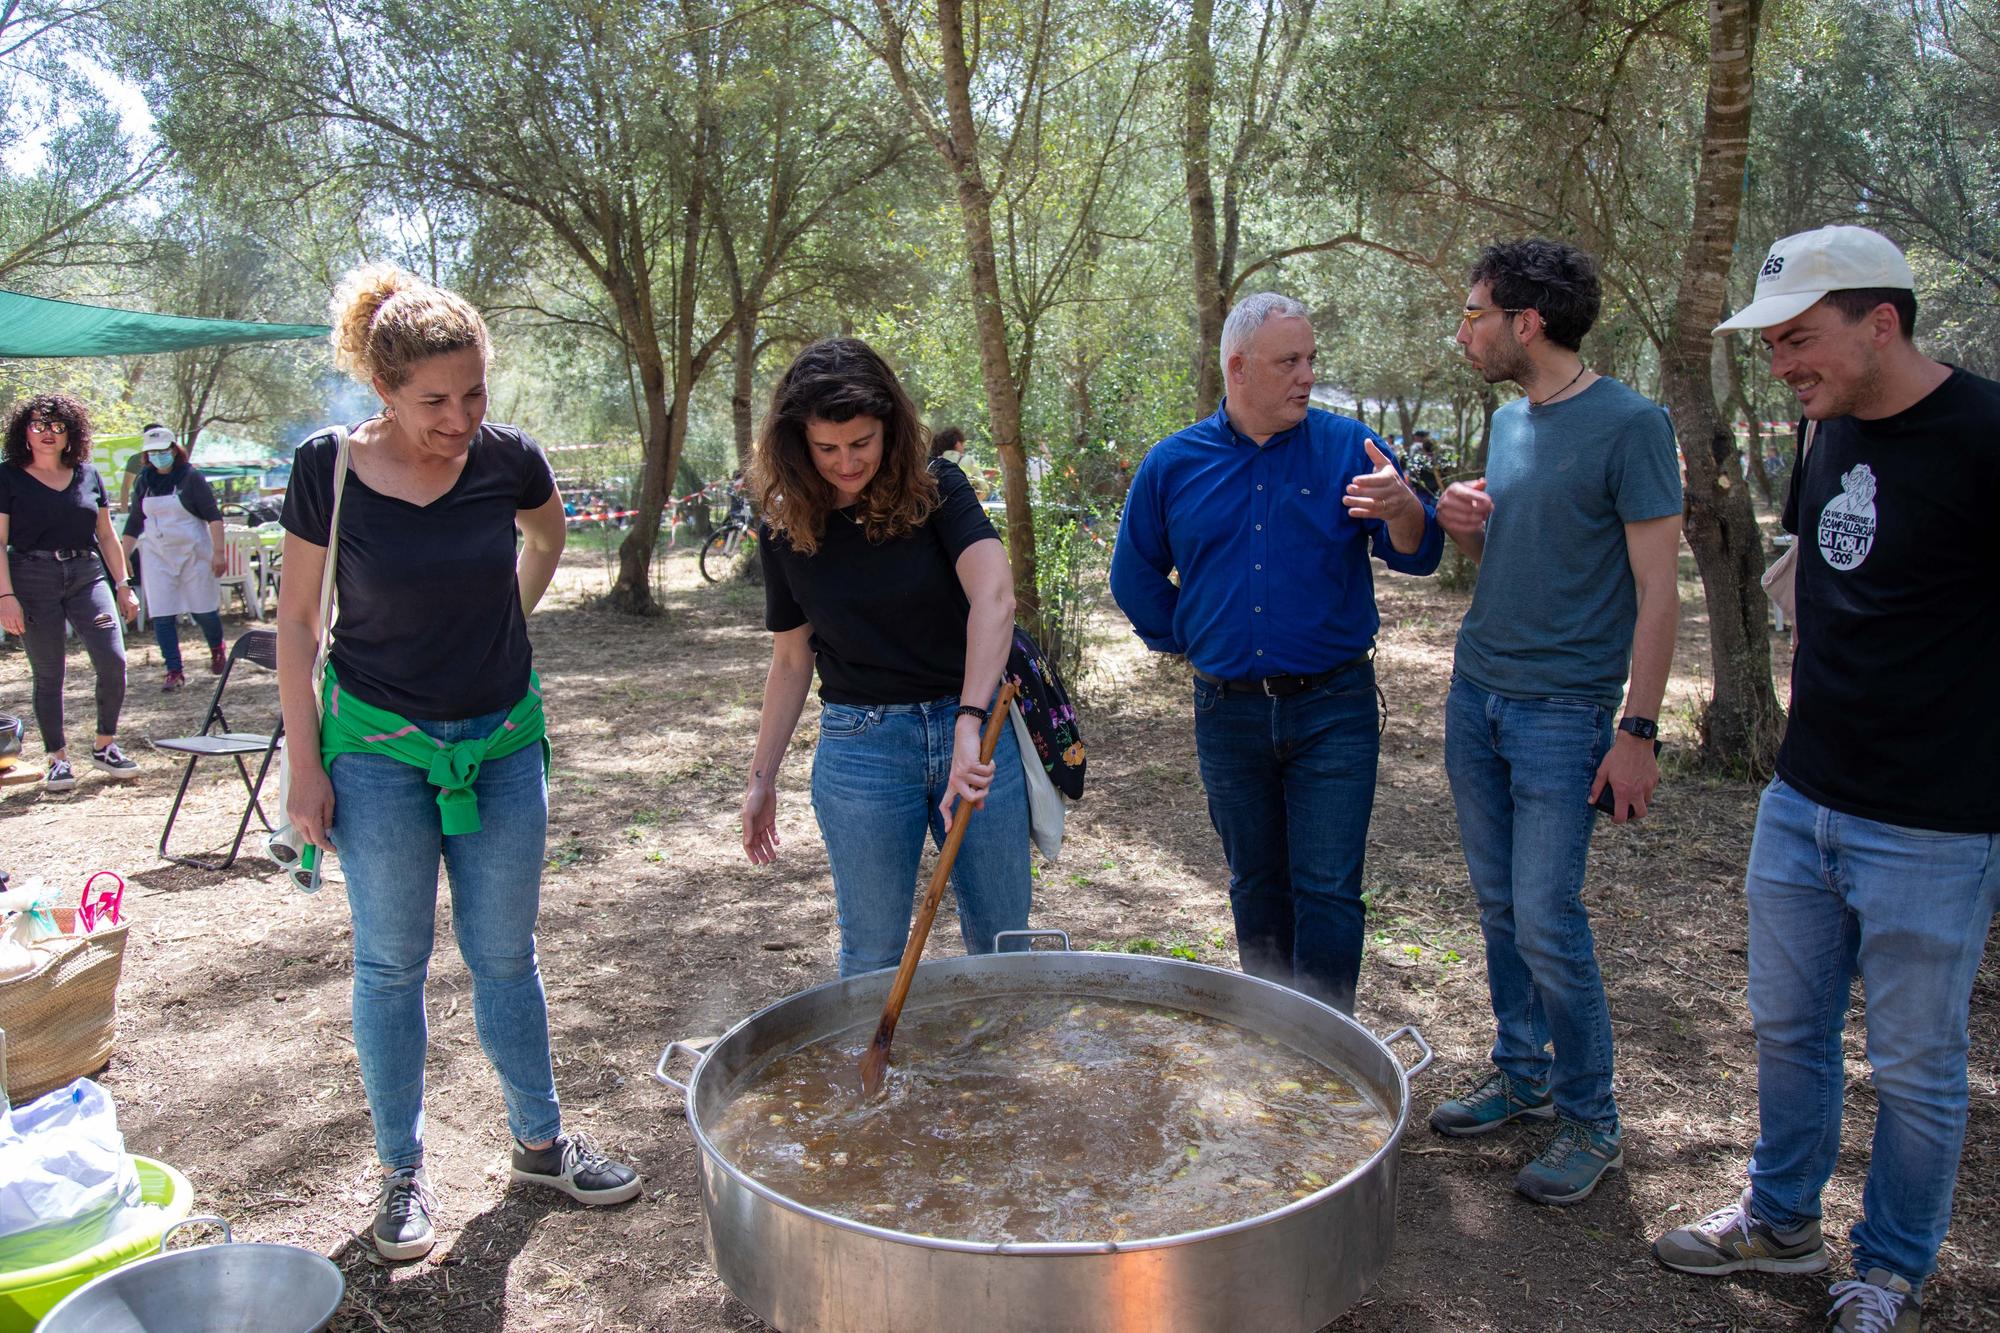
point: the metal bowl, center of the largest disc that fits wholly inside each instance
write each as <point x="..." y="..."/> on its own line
<point x="226" y="1288"/>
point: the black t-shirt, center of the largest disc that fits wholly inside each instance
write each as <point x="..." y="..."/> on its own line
<point x="428" y="621"/>
<point x="185" y="480"/>
<point x="42" y="518"/>
<point x="888" y="618"/>
<point x="1899" y="614"/>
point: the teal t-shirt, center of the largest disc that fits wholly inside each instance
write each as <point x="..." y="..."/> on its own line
<point x="1552" y="615"/>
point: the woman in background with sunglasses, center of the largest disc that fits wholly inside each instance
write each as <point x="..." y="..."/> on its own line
<point x="55" y="518"/>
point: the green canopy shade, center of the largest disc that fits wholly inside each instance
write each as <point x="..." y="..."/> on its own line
<point x="36" y="326"/>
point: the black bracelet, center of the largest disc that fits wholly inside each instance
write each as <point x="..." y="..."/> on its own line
<point x="9" y="594"/>
<point x="974" y="710"/>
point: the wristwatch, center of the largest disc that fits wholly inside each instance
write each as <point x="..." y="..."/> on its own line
<point x="1643" y="727"/>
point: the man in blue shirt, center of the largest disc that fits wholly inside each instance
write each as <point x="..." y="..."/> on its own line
<point x="1576" y="529"/>
<point x="1269" y="510"/>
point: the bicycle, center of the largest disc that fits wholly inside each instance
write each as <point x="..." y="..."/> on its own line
<point x="719" y="552"/>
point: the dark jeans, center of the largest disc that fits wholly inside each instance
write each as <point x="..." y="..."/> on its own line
<point x="54" y="591"/>
<point x="167" y="633"/>
<point x="1290" y="784"/>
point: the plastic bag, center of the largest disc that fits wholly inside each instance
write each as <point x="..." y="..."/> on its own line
<point x="66" y="1182"/>
<point x="28" y="923"/>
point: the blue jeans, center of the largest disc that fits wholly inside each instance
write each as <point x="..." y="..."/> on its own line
<point x="878" y="775"/>
<point x="386" y="829"/>
<point x="1832" y="896"/>
<point x="167" y="633"/>
<point x="1520" y="773"/>
<point x="1290" y="785"/>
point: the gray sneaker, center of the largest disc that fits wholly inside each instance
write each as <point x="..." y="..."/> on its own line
<point x="1880" y="1302"/>
<point x="60" y="777"/>
<point x="1571" y="1165"/>
<point x="1498" y="1099"/>
<point x="573" y="1166"/>
<point x="402" y="1229"/>
<point x="1730" y="1240"/>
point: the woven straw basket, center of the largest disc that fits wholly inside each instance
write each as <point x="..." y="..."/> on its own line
<point x="61" y="1019"/>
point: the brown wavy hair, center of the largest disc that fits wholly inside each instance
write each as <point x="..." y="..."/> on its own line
<point x="839" y="379"/>
<point x="70" y="411"/>
<point x="386" y="320"/>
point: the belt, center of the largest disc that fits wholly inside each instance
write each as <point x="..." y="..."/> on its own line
<point x="1280" y="687"/>
<point x="53" y="555"/>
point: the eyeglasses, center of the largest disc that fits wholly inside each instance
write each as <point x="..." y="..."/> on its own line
<point x="52" y="425"/>
<point x="1473" y="312"/>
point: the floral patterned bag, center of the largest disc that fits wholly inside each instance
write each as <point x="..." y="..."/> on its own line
<point x="1045" y="706"/>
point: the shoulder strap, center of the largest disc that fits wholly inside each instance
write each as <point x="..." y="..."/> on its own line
<point x="342" y="445"/>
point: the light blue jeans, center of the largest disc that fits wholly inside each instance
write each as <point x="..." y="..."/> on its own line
<point x="878" y="775"/>
<point x="1833" y="896"/>
<point x="386" y="830"/>
<point x="1520" y="773"/>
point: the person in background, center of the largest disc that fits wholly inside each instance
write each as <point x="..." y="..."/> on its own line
<point x="887" y="577"/>
<point x="176" y="523"/>
<point x="1269" y="511"/>
<point x="1877" y="848"/>
<point x="55" y="519"/>
<point x="433" y="744"/>
<point x="948" y="443"/>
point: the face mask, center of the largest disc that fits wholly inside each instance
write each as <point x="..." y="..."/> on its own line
<point x="163" y="459"/>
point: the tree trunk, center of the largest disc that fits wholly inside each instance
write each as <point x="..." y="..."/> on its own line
<point x="1003" y="394"/>
<point x="741" y="415"/>
<point x="1741" y="725"/>
<point x="1489" y="403"/>
<point x="1196" y="134"/>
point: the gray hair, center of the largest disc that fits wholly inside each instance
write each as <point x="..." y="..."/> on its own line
<point x="1251" y="313"/>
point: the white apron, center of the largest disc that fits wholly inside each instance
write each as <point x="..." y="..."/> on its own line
<point x="174" y="572"/>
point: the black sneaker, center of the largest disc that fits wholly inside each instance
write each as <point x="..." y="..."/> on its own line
<point x="402" y="1229"/>
<point x="112" y="760"/>
<point x="573" y="1166"/>
<point x="60" y="777"/>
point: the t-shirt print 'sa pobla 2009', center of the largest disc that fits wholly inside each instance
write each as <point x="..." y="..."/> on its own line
<point x="1847" y="524"/>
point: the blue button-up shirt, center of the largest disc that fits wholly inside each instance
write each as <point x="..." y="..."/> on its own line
<point x="1274" y="574"/>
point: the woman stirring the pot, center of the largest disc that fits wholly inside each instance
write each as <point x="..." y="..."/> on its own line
<point x="177" y="524"/>
<point x="55" y="519"/>
<point x="432" y="745"/>
<point x="888" y="579"/>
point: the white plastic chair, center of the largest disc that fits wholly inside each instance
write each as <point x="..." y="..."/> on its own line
<point x="240" y="547"/>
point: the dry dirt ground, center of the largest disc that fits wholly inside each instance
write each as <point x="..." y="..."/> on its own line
<point x="235" y="1061"/>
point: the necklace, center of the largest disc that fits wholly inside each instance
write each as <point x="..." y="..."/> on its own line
<point x="1559" y="392"/>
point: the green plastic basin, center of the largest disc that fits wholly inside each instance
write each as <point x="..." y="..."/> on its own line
<point x="30" y="1293"/>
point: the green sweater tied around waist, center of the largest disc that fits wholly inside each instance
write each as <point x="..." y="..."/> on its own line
<point x="349" y="726"/>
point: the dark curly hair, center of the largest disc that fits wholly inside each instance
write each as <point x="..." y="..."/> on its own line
<point x="839" y="379"/>
<point x="1554" y="279"/>
<point x="64" y="409"/>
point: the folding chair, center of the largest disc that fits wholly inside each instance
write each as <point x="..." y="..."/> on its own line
<point x="260" y="648"/>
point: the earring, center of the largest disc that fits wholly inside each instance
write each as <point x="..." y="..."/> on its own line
<point x="388" y="412"/>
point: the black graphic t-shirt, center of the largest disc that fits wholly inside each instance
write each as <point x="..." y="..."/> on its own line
<point x="1892" y="716"/>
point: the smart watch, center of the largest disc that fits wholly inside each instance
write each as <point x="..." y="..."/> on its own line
<point x="1643" y="727"/>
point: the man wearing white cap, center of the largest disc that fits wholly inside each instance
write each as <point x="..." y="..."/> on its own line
<point x="1875" y="852"/>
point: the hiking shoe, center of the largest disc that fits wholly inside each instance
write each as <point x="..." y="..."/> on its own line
<point x="112" y="760"/>
<point x="1730" y="1240"/>
<point x="174" y="680"/>
<point x="573" y="1166"/>
<point x="60" y="776"/>
<point x="218" y="658"/>
<point x="1499" y="1098"/>
<point x="1571" y="1165"/>
<point x="1880" y="1303"/>
<point x="402" y="1229"/>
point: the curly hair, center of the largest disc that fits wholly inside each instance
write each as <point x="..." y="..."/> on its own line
<point x="386" y="320"/>
<point x="1554" y="279"/>
<point x="70" y="411"/>
<point x="839" y="379"/>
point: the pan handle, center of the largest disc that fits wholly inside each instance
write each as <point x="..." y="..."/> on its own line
<point x="1411" y="1071"/>
<point x="1031" y="936"/>
<point x="660" y="1071"/>
<point x="228" y="1237"/>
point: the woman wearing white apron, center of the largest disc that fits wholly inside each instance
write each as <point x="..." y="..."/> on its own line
<point x="177" y="526"/>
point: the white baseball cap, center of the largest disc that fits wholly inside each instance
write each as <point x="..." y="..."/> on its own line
<point x="159" y="437"/>
<point x="1803" y="268"/>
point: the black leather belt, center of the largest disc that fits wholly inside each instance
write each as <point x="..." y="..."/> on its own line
<point x="53" y="555"/>
<point x="1281" y="687"/>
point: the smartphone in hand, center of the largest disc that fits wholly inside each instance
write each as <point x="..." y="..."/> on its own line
<point x="1606" y="801"/>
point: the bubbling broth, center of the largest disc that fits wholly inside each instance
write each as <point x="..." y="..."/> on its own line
<point x="1051" y="1119"/>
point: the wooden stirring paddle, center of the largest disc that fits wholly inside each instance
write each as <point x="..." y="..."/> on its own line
<point x="875" y="1060"/>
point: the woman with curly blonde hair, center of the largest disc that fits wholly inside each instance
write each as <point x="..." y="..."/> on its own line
<point x="432" y="745"/>
<point x="886" y="576"/>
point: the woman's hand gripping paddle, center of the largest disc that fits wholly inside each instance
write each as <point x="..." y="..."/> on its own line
<point x="875" y="1061"/>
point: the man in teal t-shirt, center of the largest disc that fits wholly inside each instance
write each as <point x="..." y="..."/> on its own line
<point x="1576" y="528"/>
